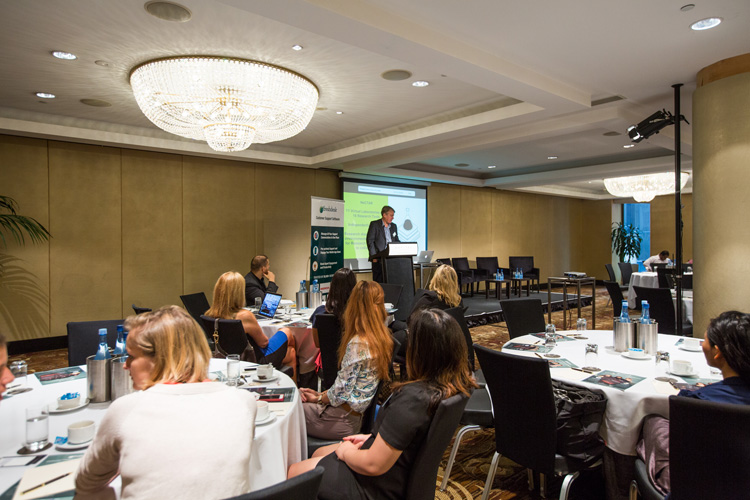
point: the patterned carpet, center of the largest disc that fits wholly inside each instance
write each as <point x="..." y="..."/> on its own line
<point x="474" y="456"/>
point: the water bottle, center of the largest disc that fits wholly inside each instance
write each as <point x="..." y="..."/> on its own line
<point x="501" y="274"/>
<point x="315" y="286"/>
<point x="520" y="272"/>
<point x="624" y="317"/>
<point x="103" y="351"/>
<point x="497" y="274"/>
<point x="645" y="314"/>
<point x="120" y="344"/>
<point x="124" y="356"/>
<point x="302" y="287"/>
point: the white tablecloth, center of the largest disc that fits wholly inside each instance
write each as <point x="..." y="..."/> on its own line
<point x="646" y="279"/>
<point x="625" y="409"/>
<point x="306" y="350"/>
<point x="279" y="443"/>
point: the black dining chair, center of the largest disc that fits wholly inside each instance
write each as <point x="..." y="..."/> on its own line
<point x="140" y="310"/>
<point x="626" y="270"/>
<point x="523" y="316"/>
<point x="526" y="264"/>
<point x="83" y="338"/>
<point x="615" y="295"/>
<point x="641" y="485"/>
<point x="662" y="309"/>
<point x="612" y="277"/>
<point x="466" y="275"/>
<point x="525" y="419"/>
<point x="196" y="304"/>
<point x="232" y="337"/>
<point x="329" y="339"/>
<point x="303" y="487"/>
<point x="665" y="276"/>
<point x="392" y="293"/>
<point x="709" y="449"/>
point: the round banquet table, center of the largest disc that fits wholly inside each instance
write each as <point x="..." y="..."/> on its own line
<point x="276" y="445"/>
<point x="646" y="279"/>
<point x="625" y="409"/>
<point x="299" y="324"/>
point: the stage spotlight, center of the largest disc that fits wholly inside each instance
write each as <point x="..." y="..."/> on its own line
<point x="650" y="126"/>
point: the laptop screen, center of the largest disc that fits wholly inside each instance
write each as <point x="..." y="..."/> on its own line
<point x="269" y="305"/>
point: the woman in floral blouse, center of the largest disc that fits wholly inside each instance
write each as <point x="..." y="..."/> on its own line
<point x="364" y="359"/>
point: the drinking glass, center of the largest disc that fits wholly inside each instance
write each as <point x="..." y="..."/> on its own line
<point x="581" y="324"/>
<point x="662" y="366"/>
<point x="549" y="335"/>
<point x="37" y="427"/>
<point x="592" y="357"/>
<point x="233" y="369"/>
<point x="19" y="369"/>
<point x="258" y="302"/>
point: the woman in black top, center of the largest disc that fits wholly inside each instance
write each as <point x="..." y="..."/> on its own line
<point x="377" y="465"/>
<point x="442" y="292"/>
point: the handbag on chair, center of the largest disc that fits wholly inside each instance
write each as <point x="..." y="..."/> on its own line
<point x="218" y="352"/>
<point x="579" y="415"/>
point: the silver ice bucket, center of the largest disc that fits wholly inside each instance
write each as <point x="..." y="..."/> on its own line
<point x="315" y="299"/>
<point x="301" y="300"/>
<point x="647" y="337"/>
<point x="624" y="335"/>
<point x="98" y="376"/>
<point x="122" y="384"/>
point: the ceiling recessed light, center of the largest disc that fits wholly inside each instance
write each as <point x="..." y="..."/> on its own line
<point x="64" y="55"/>
<point x="168" y="11"/>
<point x="462" y="165"/>
<point x="339" y="112"/>
<point x="396" y="75"/>
<point x="706" y="24"/>
<point x="297" y="47"/>
<point x="687" y="7"/>
<point x="628" y="146"/>
<point x="420" y="83"/>
<point x="97" y="103"/>
<point x="491" y="166"/>
<point x="611" y="133"/>
<point x="552" y="157"/>
<point x="45" y="95"/>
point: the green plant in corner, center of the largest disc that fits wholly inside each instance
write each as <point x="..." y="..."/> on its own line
<point x="16" y="225"/>
<point x="626" y="240"/>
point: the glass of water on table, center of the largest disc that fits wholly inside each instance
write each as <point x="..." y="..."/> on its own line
<point x="37" y="429"/>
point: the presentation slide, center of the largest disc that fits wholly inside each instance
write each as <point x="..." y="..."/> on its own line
<point x="363" y="201"/>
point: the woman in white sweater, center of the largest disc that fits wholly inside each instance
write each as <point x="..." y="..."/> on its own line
<point x="182" y="436"/>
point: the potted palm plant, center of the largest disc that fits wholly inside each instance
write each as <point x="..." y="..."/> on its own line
<point x="16" y="225"/>
<point x="626" y="241"/>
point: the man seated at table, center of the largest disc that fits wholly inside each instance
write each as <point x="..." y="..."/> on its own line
<point x="6" y="376"/>
<point x="260" y="268"/>
<point x="662" y="258"/>
<point x="726" y="346"/>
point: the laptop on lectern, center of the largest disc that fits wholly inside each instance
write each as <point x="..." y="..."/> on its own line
<point x="424" y="257"/>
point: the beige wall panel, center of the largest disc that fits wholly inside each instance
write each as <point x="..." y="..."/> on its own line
<point x="595" y="247"/>
<point x="85" y="220"/>
<point x="476" y="223"/>
<point x="283" y="212"/>
<point x="443" y="224"/>
<point x="327" y="184"/>
<point x="662" y="225"/>
<point x="151" y="229"/>
<point x="219" y="219"/>
<point x="24" y="283"/>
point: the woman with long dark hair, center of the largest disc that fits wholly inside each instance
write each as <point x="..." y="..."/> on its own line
<point x="377" y="465"/>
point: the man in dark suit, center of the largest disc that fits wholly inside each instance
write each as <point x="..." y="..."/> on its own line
<point x="379" y="234"/>
<point x="260" y="268"/>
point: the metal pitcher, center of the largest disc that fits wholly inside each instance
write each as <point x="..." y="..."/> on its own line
<point x="98" y="376"/>
<point x="122" y="384"/>
<point x="301" y="300"/>
<point x="624" y="335"/>
<point x="647" y="337"/>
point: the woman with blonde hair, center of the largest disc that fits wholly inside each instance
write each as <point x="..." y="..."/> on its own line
<point x="161" y="440"/>
<point x="229" y="303"/>
<point x="442" y="292"/>
<point x="364" y="360"/>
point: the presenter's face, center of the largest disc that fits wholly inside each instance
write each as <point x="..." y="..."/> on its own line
<point x="388" y="217"/>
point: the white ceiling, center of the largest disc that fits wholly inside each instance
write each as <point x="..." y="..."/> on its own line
<point x="511" y="83"/>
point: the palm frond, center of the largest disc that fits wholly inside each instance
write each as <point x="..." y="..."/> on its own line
<point x="17" y="226"/>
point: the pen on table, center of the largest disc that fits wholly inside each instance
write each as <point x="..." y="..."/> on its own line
<point x="539" y="355"/>
<point x="582" y="370"/>
<point x="45" y="483"/>
<point x="537" y="342"/>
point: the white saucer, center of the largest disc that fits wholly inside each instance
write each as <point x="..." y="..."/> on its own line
<point x="78" y="446"/>
<point x="627" y="355"/>
<point x="53" y="409"/>
<point x="686" y="348"/>
<point x="270" y="418"/>
<point x="692" y="374"/>
<point x="273" y="377"/>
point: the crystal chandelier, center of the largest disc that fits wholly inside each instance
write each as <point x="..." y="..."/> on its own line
<point x="230" y="103"/>
<point x="644" y="187"/>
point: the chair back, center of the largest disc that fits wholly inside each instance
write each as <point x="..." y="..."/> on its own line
<point x="664" y="276"/>
<point x="525" y="263"/>
<point x="610" y="272"/>
<point x="687" y="281"/>
<point x="616" y="295"/>
<point x="709" y="449"/>
<point x="489" y="264"/>
<point x="196" y="304"/>
<point x="303" y="487"/>
<point x="140" y="310"/>
<point x="458" y="314"/>
<point x="392" y="292"/>
<point x="523" y="408"/>
<point x="523" y="316"/>
<point x="329" y="339"/>
<point x="661" y="306"/>
<point x="83" y="338"/>
<point x="423" y="473"/>
<point x="460" y="263"/>
<point x="232" y="336"/>
<point x="446" y="262"/>
<point x="626" y="270"/>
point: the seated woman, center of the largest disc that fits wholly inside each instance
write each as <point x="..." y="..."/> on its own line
<point x="342" y="284"/>
<point x="378" y="465"/>
<point x="726" y="346"/>
<point x="229" y="303"/>
<point x="364" y="360"/>
<point x="163" y="441"/>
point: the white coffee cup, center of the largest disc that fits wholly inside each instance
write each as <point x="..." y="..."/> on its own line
<point x="265" y="371"/>
<point x="81" y="432"/>
<point x="634" y="352"/>
<point x="693" y="343"/>
<point x="388" y="306"/>
<point x="262" y="410"/>
<point x="682" y="367"/>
